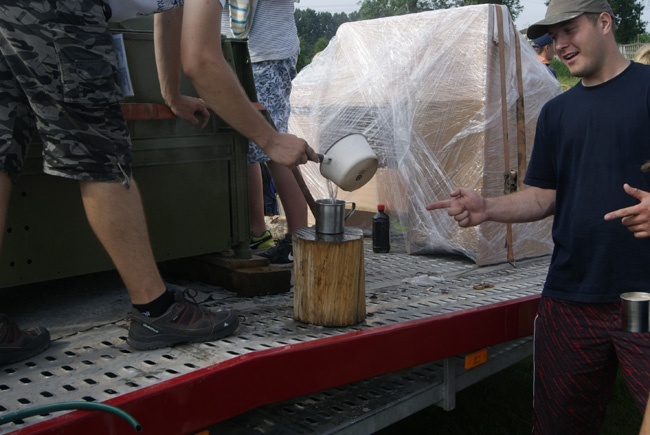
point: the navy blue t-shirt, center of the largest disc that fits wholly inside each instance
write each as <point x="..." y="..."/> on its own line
<point x="589" y="142"/>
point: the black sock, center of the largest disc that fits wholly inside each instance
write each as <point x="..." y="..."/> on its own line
<point x="158" y="306"/>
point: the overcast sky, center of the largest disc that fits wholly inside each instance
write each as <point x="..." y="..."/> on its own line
<point x="533" y="9"/>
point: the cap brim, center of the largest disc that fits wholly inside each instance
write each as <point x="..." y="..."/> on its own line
<point x="540" y="28"/>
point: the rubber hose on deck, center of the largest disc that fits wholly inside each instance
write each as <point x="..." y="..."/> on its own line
<point x="67" y="406"/>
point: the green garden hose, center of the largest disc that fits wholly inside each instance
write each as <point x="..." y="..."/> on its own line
<point x="66" y="406"/>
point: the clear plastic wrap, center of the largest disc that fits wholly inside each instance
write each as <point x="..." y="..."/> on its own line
<point x="426" y="90"/>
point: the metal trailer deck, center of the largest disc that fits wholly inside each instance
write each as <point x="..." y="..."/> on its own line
<point x="422" y="312"/>
<point x="367" y="406"/>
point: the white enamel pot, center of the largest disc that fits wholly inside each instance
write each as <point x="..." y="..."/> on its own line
<point x="350" y="162"/>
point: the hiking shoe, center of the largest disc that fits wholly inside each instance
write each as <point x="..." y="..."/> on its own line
<point x="184" y="322"/>
<point x="265" y="241"/>
<point x="19" y="344"/>
<point x="282" y="253"/>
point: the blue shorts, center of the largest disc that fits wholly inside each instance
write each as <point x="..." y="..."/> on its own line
<point x="273" y="85"/>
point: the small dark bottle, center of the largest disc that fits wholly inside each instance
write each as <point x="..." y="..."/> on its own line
<point x="380" y="231"/>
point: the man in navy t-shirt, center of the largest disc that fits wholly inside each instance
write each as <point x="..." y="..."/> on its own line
<point x="588" y="170"/>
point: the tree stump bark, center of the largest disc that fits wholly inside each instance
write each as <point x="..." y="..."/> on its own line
<point x="329" y="277"/>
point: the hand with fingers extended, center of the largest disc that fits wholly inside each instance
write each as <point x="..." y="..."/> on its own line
<point x="467" y="207"/>
<point x="637" y="217"/>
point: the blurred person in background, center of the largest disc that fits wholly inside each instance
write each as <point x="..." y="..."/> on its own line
<point x="643" y="55"/>
<point x="545" y="50"/>
<point x="274" y="46"/>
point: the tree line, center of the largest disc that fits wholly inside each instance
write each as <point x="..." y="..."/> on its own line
<point x="315" y="29"/>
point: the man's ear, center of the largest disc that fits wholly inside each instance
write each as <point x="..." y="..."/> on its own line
<point x="605" y="21"/>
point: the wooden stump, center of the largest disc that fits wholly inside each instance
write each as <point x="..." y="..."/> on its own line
<point x="329" y="277"/>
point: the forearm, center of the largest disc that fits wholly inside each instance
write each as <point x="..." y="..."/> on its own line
<point x="212" y="77"/>
<point x="221" y="91"/>
<point x="167" y="46"/>
<point x="527" y="205"/>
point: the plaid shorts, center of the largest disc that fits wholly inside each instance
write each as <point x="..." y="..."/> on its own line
<point x="58" y="76"/>
<point x="273" y="85"/>
<point x="578" y="350"/>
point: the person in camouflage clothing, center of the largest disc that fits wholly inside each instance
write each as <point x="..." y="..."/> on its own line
<point x="58" y="77"/>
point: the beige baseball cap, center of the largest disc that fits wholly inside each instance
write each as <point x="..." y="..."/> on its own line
<point x="564" y="10"/>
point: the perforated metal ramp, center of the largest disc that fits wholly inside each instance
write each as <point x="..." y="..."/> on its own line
<point x="89" y="359"/>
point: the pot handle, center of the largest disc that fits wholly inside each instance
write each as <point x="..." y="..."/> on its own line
<point x="352" y="210"/>
<point x="323" y="158"/>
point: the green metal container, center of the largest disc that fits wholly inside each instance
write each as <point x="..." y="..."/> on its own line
<point x="193" y="183"/>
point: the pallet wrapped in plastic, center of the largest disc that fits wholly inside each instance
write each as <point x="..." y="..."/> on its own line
<point x="447" y="99"/>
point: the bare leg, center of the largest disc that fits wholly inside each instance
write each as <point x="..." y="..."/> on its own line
<point x="256" y="200"/>
<point x="117" y="218"/>
<point x="5" y="192"/>
<point x="293" y="201"/>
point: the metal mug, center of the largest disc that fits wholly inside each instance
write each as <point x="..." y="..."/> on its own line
<point x="330" y="215"/>
<point x="636" y="310"/>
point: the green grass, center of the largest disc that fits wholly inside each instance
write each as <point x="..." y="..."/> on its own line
<point x="563" y="75"/>
<point x="502" y="404"/>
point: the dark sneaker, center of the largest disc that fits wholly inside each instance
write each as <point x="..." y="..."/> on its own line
<point x="282" y="253"/>
<point x="265" y="241"/>
<point x="184" y="322"/>
<point x="19" y="344"/>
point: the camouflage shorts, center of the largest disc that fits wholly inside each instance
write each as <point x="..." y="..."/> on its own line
<point x="273" y="85"/>
<point x="58" y="74"/>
